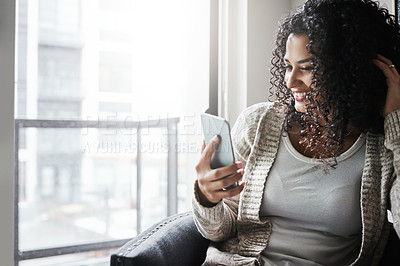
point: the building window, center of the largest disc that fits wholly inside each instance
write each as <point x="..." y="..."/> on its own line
<point x="109" y="95"/>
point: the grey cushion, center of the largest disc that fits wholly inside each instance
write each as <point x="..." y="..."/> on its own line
<point x="391" y="253"/>
<point x="173" y="241"/>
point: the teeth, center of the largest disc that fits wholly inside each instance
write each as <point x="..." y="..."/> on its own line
<point x="300" y="94"/>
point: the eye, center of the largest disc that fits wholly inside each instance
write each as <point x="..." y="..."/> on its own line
<point x="288" y="67"/>
<point x="306" y="68"/>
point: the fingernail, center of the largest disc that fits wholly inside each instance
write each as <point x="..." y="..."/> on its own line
<point x="239" y="164"/>
<point x="216" y="137"/>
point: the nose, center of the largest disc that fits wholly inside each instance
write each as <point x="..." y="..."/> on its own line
<point x="291" y="78"/>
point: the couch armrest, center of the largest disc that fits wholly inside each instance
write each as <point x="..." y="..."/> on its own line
<point x="391" y="253"/>
<point x="173" y="241"/>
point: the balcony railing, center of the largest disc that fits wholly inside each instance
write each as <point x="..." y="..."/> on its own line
<point x="168" y="124"/>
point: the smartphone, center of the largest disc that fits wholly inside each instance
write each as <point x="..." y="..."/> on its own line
<point x="214" y="125"/>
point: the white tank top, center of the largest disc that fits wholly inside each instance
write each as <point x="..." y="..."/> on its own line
<point x="315" y="214"/>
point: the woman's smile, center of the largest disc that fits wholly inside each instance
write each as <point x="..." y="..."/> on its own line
<point x="299" y="96"/>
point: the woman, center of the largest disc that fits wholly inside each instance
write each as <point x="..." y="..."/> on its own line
<point x="320" y="165"/>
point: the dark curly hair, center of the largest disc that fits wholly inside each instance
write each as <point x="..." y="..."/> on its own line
<point x="344" y="38"/>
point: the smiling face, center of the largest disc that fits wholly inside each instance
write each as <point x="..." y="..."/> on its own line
<point x="298" y="76"/>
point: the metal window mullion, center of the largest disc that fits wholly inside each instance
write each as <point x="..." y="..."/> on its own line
<point x="41" y="123"/>
<point x="138" y="181"/>
<point x="65" y="250"/>
<point x="172" y="177"/>
<point x="214" y="58"/>
<point x="16" y="194"/>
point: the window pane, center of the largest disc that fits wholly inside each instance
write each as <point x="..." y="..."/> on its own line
<point x="115" y="73"/>
<point x="77" y="53"/>
<point x="120" y="60"/>
<point x="154" y="181"/>
<point x="59" y="76"/>
<point x="81" y="188"/>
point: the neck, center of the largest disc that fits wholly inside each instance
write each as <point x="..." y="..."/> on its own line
<point x="316" y="145"/>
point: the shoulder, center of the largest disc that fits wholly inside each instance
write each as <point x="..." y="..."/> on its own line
<point x="392" y="130"/>
<point x="251" y="116"/>
<point x="258" y="109"/>
<point x="260" y="116"/>
<point x="254" y="124"/>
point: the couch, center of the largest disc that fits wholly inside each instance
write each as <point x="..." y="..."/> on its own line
<point x="173" y="241"/>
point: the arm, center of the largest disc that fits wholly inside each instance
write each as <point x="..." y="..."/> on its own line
<point x="391" y="112"/>
<point x="215" y="209"/>
<point x="392" y="142"/>
<point x="216" y="217"/>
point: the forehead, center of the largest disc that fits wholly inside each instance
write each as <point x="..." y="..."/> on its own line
<point x="296" y="47"/>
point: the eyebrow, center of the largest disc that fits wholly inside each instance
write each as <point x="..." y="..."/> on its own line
<point x="300" y="61"/>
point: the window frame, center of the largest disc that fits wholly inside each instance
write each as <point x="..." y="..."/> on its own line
<point x="7" y="77"/>
<point x="17" y="124"/>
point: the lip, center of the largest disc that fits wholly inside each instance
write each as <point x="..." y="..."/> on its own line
<point x="299" y="96"/>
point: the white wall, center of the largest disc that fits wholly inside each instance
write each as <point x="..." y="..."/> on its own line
<point x="263" y="17"/>
<point x="7" y="27"/>
<point x="246" y="55"/>
<point x="389" y="4"/>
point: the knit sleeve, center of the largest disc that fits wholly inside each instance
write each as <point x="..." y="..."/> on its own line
<point x="218" y="223"/>
<point x="392" y="142"/>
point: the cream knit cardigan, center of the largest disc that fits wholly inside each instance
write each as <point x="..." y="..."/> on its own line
<point x="234" y="225"/>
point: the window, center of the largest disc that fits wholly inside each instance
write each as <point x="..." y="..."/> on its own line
<point x="108" y="100"/>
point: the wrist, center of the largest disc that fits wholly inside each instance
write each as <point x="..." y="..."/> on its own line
<point x="201" y="198"/>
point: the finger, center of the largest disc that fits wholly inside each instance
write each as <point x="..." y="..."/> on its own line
<point x="387" y="71"/>
<point x="228" y="181"/>
<point x="391" y="74"/>
<point x="215" y="186"/>
<point x="215" y="194"/>
<point x="203" y="146"/>
<point x="220" y="178"/>
<point x="385" y="60"/>
<point x="239" y="165"/>
<point x="223" y="172"/>
<point x="209" y="150"/>
<point x="394" y="70"/>
<point x="230" y="193"/>
<point x="217" y="180"/>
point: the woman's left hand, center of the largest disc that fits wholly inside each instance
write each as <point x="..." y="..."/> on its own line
<point x="393" y="82"/>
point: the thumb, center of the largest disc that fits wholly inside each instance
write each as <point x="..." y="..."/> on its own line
<point x="210" y="149"/>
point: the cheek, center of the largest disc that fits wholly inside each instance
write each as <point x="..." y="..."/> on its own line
<point x="308" y="80"/>
<point x="286" y="78"/>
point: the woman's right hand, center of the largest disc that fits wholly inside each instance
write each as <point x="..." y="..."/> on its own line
<point x="211" y="182"/>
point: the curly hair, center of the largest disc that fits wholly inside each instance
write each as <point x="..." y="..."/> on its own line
<point x="344" y="38"/>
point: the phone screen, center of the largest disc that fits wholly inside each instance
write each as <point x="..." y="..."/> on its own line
<point x="223" y="155"/>
<point x="214" y="125"/>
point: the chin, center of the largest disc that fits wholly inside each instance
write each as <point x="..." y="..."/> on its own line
<point x="300" y="107"/>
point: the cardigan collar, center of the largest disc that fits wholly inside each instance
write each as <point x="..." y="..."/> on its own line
<point x="260" y="160"/>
